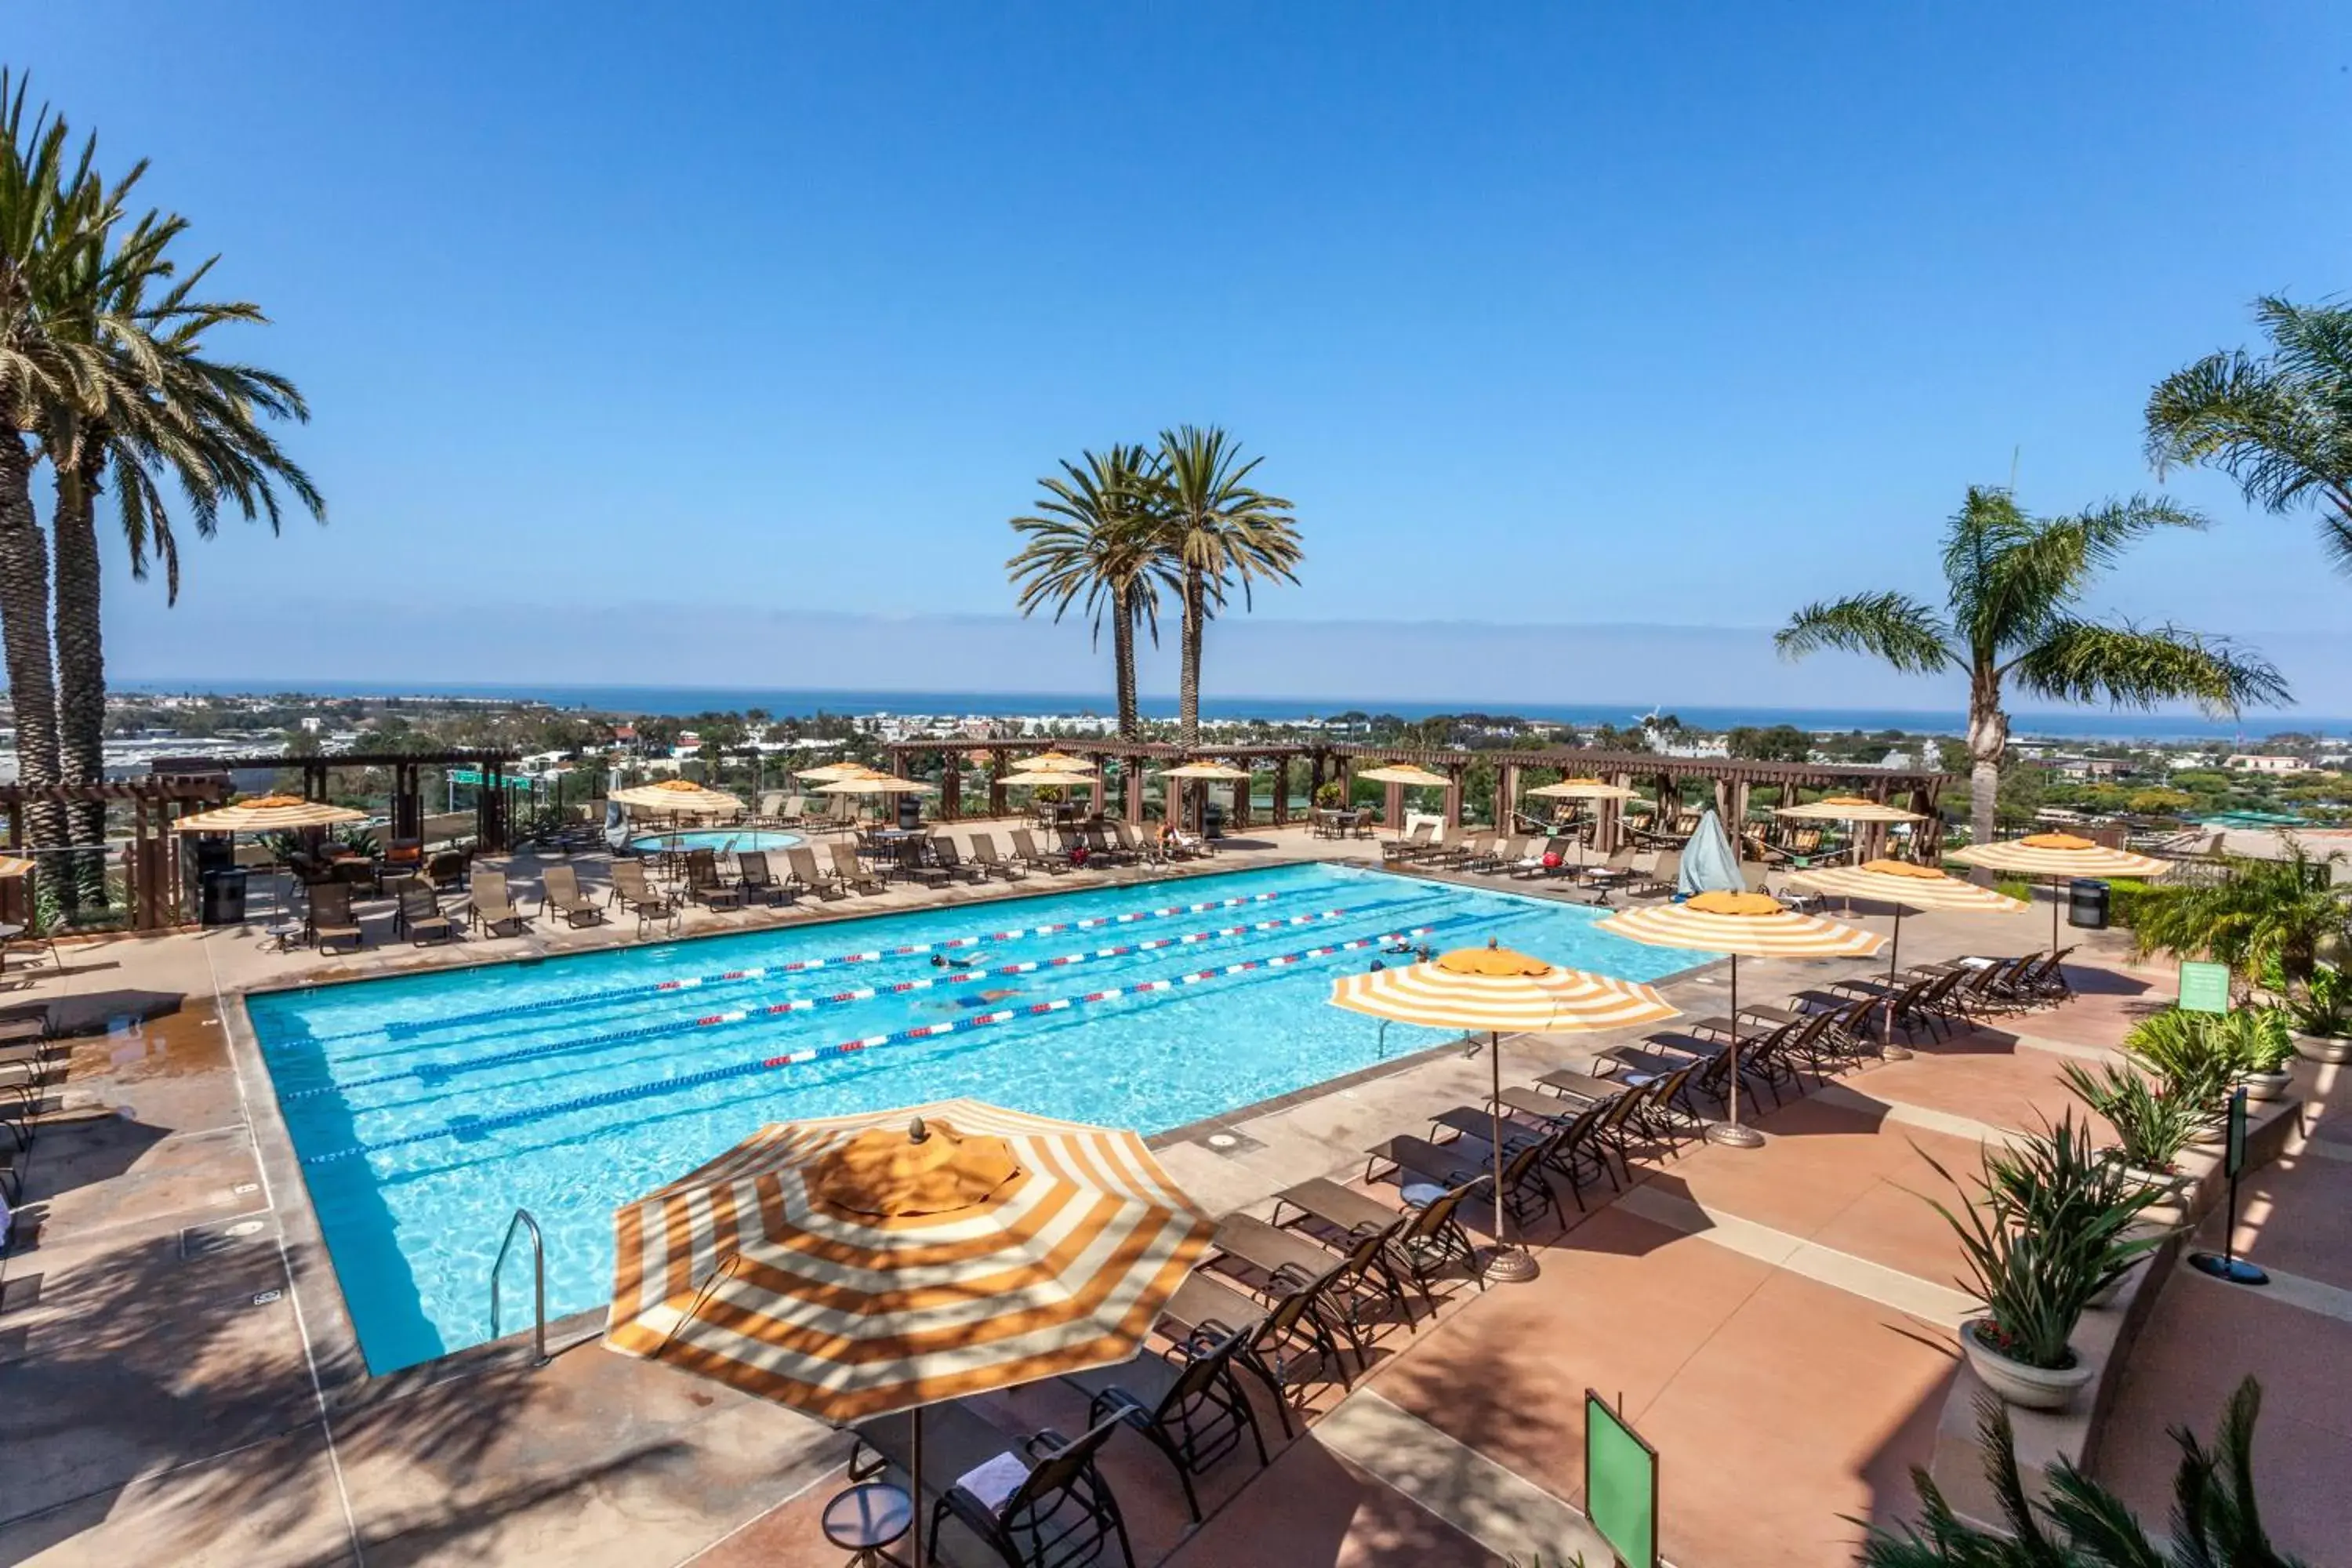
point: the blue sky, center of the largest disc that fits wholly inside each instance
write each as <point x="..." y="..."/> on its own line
<point x="1545" y="316"/>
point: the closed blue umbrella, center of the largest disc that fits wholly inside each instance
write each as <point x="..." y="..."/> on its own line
<point x="1710" y="864"/>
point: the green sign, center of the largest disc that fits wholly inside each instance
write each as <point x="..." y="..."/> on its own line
<point x="464" y="776"/>
<point x="2204" y="987"/>
<point x="1621" y="1485"/>
<point x="2235" y="1161"/>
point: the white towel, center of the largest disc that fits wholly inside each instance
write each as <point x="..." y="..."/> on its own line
<point x="994" y="1481"/>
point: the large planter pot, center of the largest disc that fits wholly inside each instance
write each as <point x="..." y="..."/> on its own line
<point x="2266" y="1085"/>
<point x="2027" y="1387"/>
<point x="2210" y="1135"/>
<point x="2336" y="1049"/>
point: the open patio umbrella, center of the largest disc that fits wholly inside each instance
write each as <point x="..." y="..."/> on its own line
<point x="861" y="1266"/>
<point x="1407" y="775"/>
<point x="1208" y="773"/>
<point x="832" y="771"/>
<point x="1498" y="990"/>
<point x="1056" y="763"/>
<point x="1756" y="926"/>
<point x="1029" y="778"/>
<point x="1581" y="789"/>
<point x="12" y="865"/>
<point x="875" y="783"/>
<point x="681" y="796"/>
<point x="268" y="814"/>
<point x="2059" y="856"/>
<point x="1848" y="808"/>
<point x="1907" y="887"/>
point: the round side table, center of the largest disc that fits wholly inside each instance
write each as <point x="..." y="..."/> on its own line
<point x="867" y="1518"/>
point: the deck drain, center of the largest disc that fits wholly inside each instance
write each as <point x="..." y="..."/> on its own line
<point x="243" y="1227"/>
<point x="1224" y="1141"/>
<point x="268" y="1298"/>
<point x="244" y="1187"/>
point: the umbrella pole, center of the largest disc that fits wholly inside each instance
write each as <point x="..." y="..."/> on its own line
<point x="1509" y="1265"/>
<point x="1731" y="1133"/>
<point x="1888" y="1051"/>
<point x="2053" y="914"/>
<point x="915" y="1498"/>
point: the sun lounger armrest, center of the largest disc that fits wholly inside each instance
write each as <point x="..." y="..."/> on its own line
<point x="1117" y="1401"/>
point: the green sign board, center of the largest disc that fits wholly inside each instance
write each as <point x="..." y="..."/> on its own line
<point x="2204" y="987"/>
<point x="1621" y="1485"/>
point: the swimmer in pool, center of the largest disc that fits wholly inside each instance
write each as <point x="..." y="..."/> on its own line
<point x="941" y="961"/>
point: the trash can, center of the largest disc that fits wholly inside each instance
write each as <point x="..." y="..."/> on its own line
<point x="2087" y="903"/>
<point x="910" y="813"/>
<point x="1213" y="820"/>
<point x="223" y="900"/>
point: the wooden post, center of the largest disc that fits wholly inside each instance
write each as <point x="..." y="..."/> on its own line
<point x="1131" y="778"/>
<point x="951" y="784"/>
<point x="1095" y="792"/>
<point x="996" y="771"/>
<point x="1394" y="808"/>
<point x="1241" y="795"/>
<point x="1506" y="798"/>
<point x="1454" y="795"/>
<point x="1738" y="822"/>
<point x="1315" y="760"/>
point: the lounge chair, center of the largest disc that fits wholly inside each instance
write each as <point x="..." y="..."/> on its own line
<point x="1428" y="1242"/>
<point x="333" y="923"/>
<point x="1060" y="1514"/>
<point x="488" y="905"/>
<point x="419" y="917"/>
<point x="808" y="878"/>
<point x="1400" y="851"/>
<point x="1134" y="845"/>
<point x="984" y="855"/>
<point x="1526" y="1195"/>
<point x="956" y="867"/>
<point x="1186" y="1402"/>
<point x="1288" y="1259"/>
<point x="914" y="864"/>
<point x="794" y="812"/>
<point x="1100" y="849"/>
<point x="633" y="892"/>
<point x="1287" y="1346"/>
<point x="1026" y="847"/>
<point x="771" y="807"/>
<point x="1500" y="854"/>
<point x="758" y="880"/>
<point x="559" y="891"/>
<point x="853" y="875"/>
<point x="705" y="886"/>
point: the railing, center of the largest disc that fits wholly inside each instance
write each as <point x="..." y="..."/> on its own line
<point x="537" y="1283"/>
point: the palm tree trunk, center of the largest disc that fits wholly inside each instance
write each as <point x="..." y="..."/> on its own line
<point x="25" y="637"/>
<point x="81" y="665"/>
<point x="1988" y="742"/>
<point x="1122" y="652"/>
<point x="1188" y="695"/>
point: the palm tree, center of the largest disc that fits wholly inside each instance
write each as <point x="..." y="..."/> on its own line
<point x="2012" y="584"/>
<point x="47" y="208"/>
<point x="2270" y="920"/>
<point x="2279" y="424"/>
<point x="1095" y="548"/>
<point x="1214" y="530"/>
<point x="162" y="410"/>
<point x="2081" y="1524"/>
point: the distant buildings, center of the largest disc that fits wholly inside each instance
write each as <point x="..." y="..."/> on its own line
<point x="2246" y="762"/>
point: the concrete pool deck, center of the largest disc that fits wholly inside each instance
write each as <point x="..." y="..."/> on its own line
<point x="173" y="1387"/>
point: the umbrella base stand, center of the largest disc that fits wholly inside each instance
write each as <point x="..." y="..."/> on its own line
<point x="1893" y="1053"/>
<point x="1511" y="1265"/>
<point x="1732" y="1135"/>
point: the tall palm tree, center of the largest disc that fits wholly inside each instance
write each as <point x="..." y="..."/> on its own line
<point x="163" y="410"/>
<point x="2280" y="424"/>
<point x="49" y="204"/>
<point x="1095" y="548"/>
<point x="2012" y="584"/>
<point x="1214" y="531"/>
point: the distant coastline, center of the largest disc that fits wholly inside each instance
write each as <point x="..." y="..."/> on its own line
<point x="670" y="701"/>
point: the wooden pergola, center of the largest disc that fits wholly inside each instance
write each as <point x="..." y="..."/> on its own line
<point x="407" y="787"/>
<point x="152" y="864"/>
<point x="1733" y="780"/>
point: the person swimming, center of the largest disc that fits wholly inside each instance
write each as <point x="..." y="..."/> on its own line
<point x="941" y="961"/>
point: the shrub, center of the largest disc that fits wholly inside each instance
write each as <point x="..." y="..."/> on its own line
<point x="2153" y="1126"/>
<point x="2185" y="1051"/>
<point x="1330" y="795"/>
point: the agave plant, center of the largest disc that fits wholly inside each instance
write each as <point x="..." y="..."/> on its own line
<point x="2081" y="1524"/>
<point x="2048" y="1231"/>
<point x="2153" y="1124"/>
<point x="2184" y="1050"/>
<point x="2321" y="1005"/>
<point x="2256" y="1040"/>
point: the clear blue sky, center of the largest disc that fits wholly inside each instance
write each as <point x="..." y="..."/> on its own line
<point x="1542" y="314"/>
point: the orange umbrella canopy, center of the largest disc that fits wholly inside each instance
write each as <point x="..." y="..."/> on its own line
<point x="1496" y="990"/>
<point x="268" y="814"/>
<point x="1905" y="882"/>
<point x="2059" y="855"/>
<point x="1752" y="925"/>
<point x="1582" y="789"/>
<point x="1849" y="808"/>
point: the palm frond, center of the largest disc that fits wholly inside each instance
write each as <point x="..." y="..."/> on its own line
<point x="1895" y="627"/>
<point x="2126" y="666"/>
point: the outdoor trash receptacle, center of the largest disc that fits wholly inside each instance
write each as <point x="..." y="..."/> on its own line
<point x="224" y="898"/>
<point x="910" y="813"/>
<point x="1212" y="819"/>
<point x="2087" y="903"/>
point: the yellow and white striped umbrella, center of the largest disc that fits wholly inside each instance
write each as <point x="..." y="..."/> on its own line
<point x="1848" y="808"/>
<point x="268" y="814"/>
<point x="1056" y="763"/>
<point x="2059" y="856"/>
<point x="1209" y="770"/>
<point x="1905" y="884"/>
<point x="1755" y="925"/>
<point x="678" y="795"/>
<point x="833" y="770"/>
<point x="1581" y="789"/>
<point x="1404" y="774"/>
<point x="861" y="1265"/>
<point x="1500" y="991"/>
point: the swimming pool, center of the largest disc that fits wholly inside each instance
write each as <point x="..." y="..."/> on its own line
<point x="425" y="1109"/>
<point x="723" y="839"/>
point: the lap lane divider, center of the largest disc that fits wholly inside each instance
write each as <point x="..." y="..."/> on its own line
<point x="729" y="976"/>
<point x="435" y="1070"/>
<point x="845" y="1047"/>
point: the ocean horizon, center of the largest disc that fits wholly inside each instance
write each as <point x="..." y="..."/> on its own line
<point x="782" y="701"/>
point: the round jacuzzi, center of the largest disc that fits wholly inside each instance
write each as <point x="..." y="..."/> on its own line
<point x="723" y="839"/>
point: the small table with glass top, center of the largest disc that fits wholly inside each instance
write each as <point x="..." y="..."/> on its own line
<point x="867" y="1519"/>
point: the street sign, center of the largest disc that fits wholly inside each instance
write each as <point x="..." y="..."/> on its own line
<point x="2204" y="987"/>
<point x="1621" y="1485"/>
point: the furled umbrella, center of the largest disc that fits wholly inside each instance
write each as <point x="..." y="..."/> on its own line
<point x="863" y="1265"/>
<point x="1907" y="887"/>
<point x="1754" y="925"/>
<point x="1496" y="991"/>
<point x="1408" y="776"/>
<point x="2059" y="856"/>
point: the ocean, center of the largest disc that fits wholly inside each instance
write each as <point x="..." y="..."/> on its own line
<point x="2088" y="725"/>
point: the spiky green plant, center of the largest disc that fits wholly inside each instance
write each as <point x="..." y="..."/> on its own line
<point x="2268" y="917"/>
<point x="2183" y="1049"/>
<point x="2014" y="588"/>
<point x="2255" y="1039"/>
<point x="2215" y="1522"/>
<point x="2152" y="1125"/>
<point x="2321" y="1005"/>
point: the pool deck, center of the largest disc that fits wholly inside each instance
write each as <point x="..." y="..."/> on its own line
<point x="177" y="1384"/>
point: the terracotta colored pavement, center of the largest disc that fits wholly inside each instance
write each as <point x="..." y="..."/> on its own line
<point x="2295" y="1336"/>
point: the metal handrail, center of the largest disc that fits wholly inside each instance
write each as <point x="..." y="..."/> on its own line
<point x="537" y="1283"/>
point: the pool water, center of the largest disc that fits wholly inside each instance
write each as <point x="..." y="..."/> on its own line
<point x="725" y="841"/>
<point x="425" y="1109"/>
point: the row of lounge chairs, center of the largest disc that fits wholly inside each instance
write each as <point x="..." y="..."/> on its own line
<point x="1534" y="859"/>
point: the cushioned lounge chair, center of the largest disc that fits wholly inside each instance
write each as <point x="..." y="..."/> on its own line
<point x="420" y="918"/>
<point x="488" y="904"/>
<point x="559" y="891"/>
<point x="984" y="855"/>
<point x="333" y="923"/>
<point x="634" y="893"/>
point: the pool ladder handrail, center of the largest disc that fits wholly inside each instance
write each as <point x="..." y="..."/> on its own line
<point x="522" y="1219"/>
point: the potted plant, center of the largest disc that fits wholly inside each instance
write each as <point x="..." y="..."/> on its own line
<point x="2260" y="1045"/>
<point x="2321" y="1012"/>
<point x="2152" y="1126"/>
<point x="2192" y="1059"/>
<point x="1331" y="795"/>
<point x="2053" y="1226"/>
